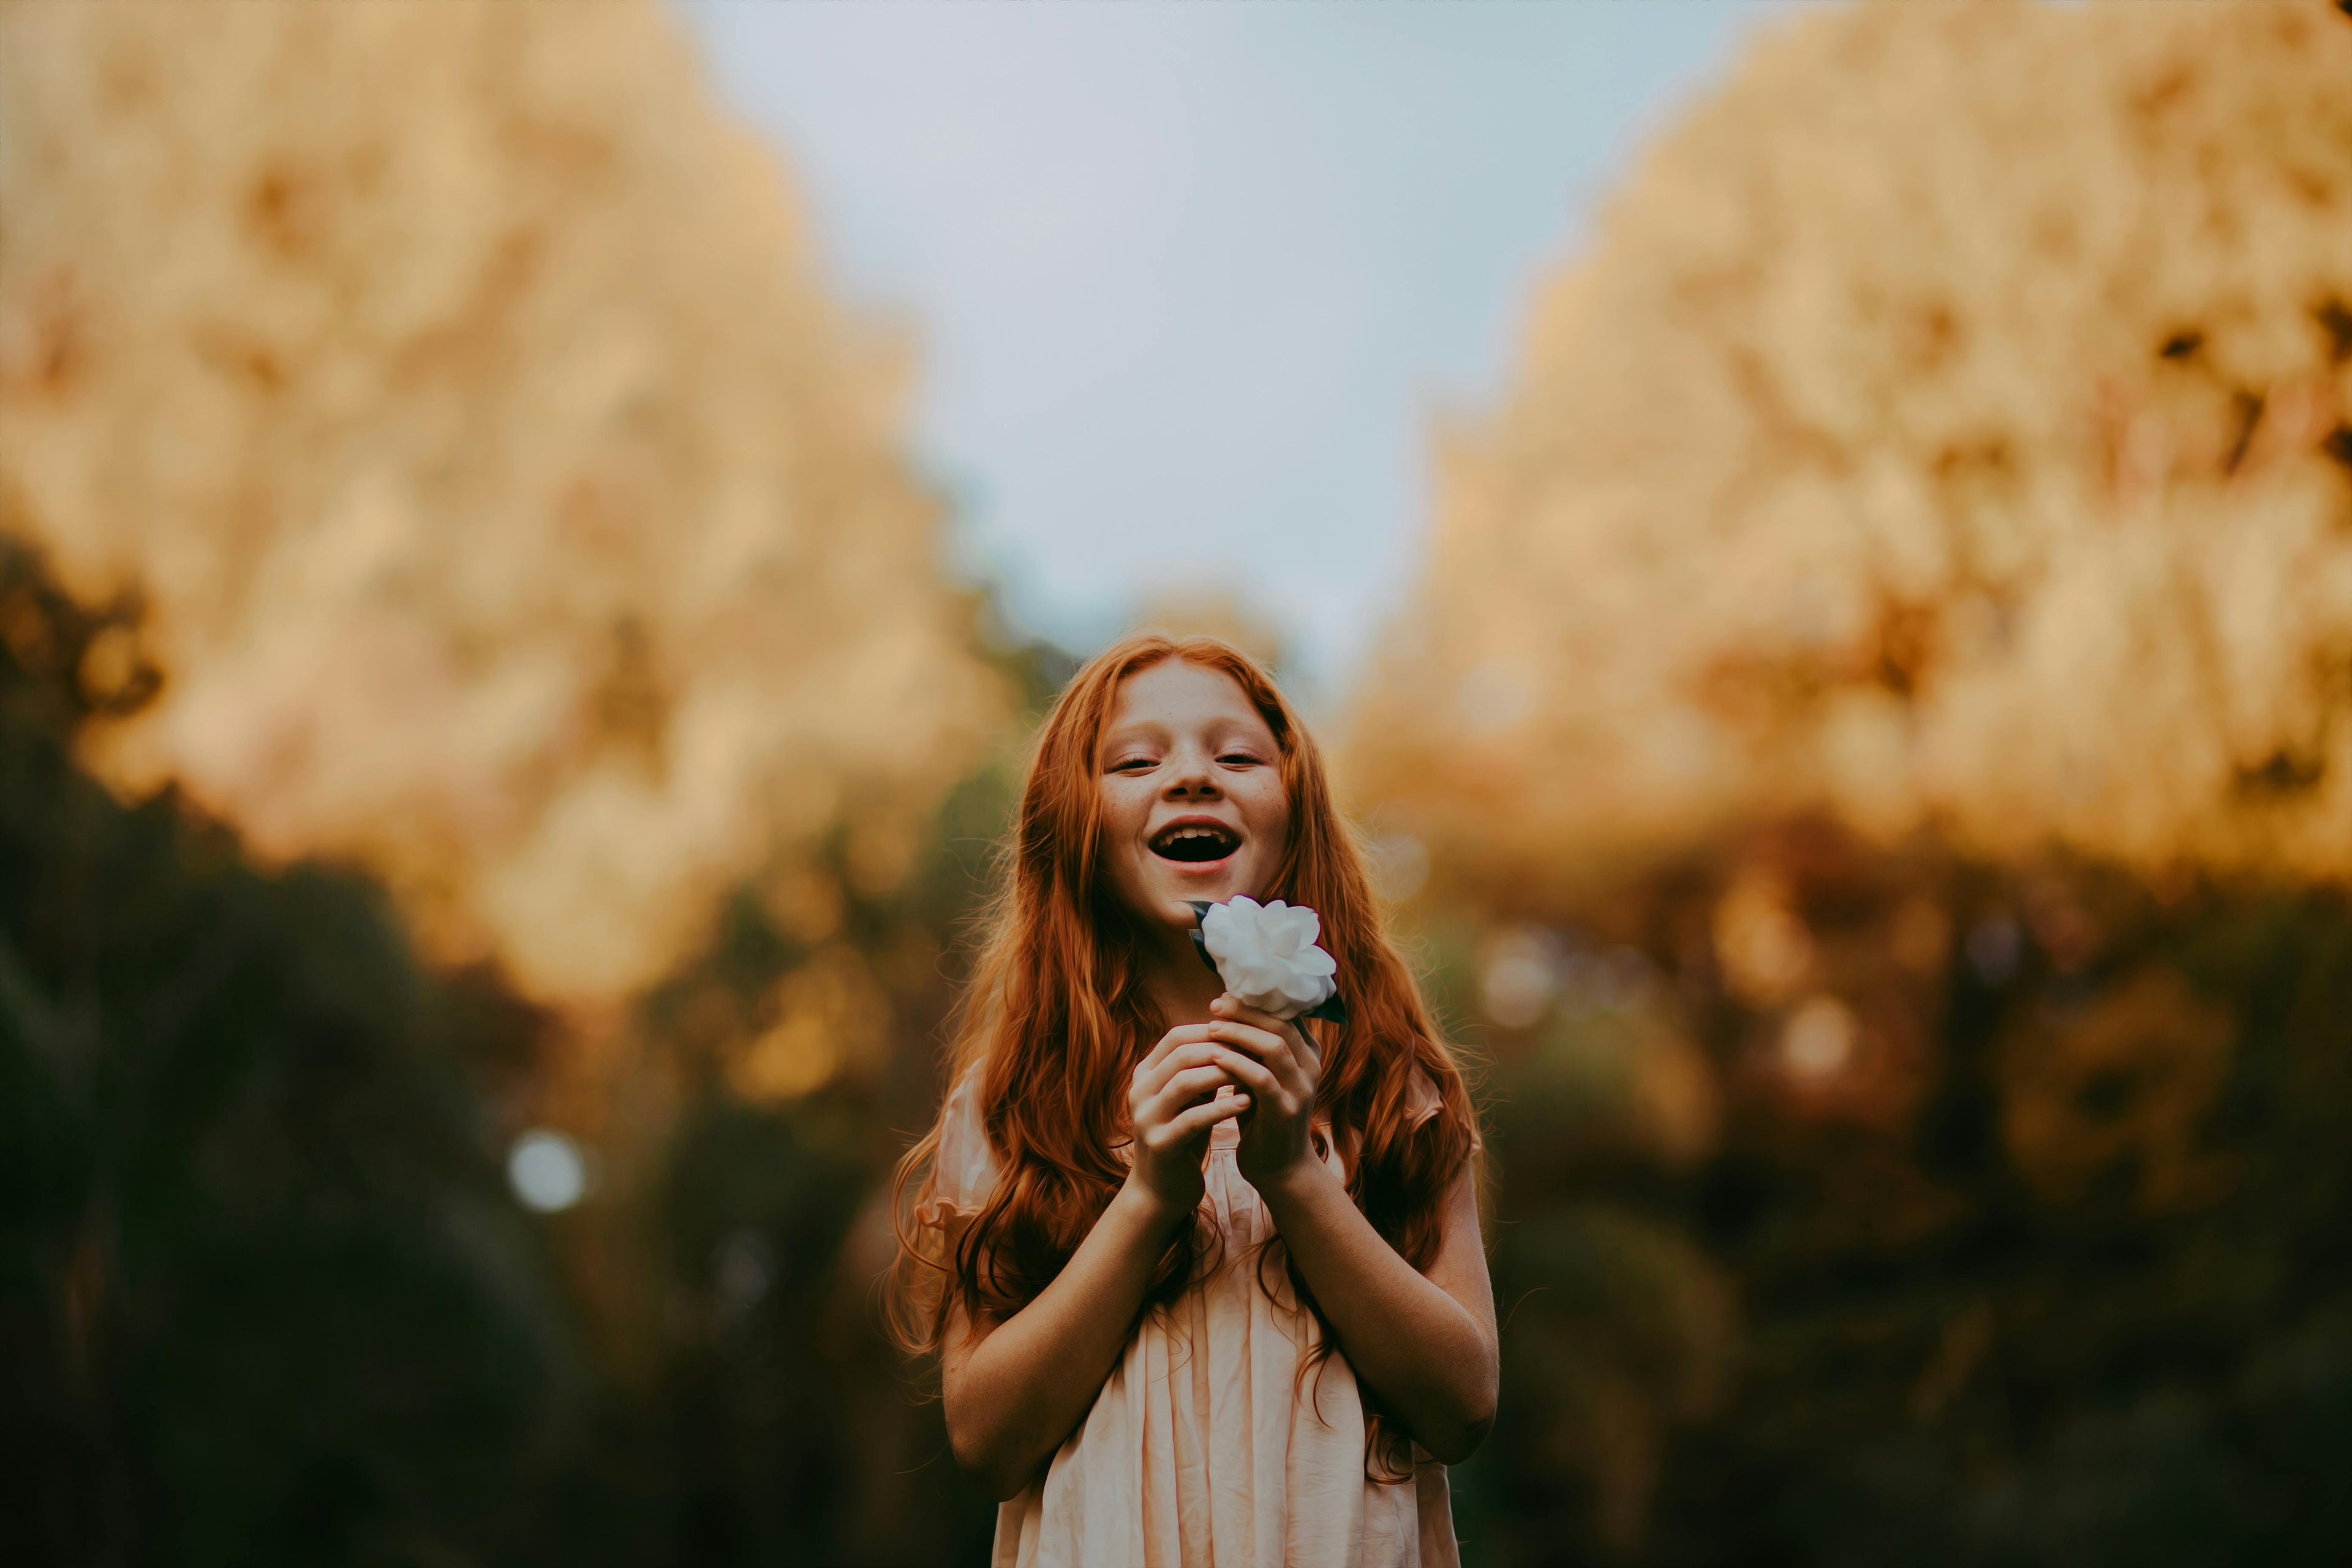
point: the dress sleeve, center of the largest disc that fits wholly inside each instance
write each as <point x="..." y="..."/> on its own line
<point x="1422" y="1102"/>
<point x="963" y="1168"/>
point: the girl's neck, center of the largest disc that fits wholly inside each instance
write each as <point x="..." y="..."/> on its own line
<point x="1181" y="985"/>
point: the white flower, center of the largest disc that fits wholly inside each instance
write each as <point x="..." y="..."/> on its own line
<point x="1266" y="954"/>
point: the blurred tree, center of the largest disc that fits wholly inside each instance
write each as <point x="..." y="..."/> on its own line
<point x="2040" y="1254"/>
<point x="805" y="1436"/>
<point x="1879" y="724"/>
<point x="513" y="518"/>
<point x="263" y="1294"/>
<point x="517" y="514"/>
<point x="1948" y="427"/>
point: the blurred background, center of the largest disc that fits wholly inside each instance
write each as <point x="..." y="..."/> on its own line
<point x="532" y="539"/>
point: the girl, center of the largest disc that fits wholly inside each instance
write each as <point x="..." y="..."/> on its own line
<point x="1206" y="1287"/>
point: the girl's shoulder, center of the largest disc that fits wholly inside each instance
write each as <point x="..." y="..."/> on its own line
<point x="963" y="1167"/>
<point x="1422" y="1100"/>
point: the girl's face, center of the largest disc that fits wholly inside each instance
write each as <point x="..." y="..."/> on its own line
<point x="1193" y="806"/>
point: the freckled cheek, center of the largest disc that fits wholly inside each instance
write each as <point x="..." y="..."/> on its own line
<point x="1124" y="815"/>
<point x="1268" y="825"/>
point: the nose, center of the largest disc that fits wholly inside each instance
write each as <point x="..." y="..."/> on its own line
<point x="1192" y="777"/>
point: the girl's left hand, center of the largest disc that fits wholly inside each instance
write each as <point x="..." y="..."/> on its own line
<point x="1278" y="1066"/>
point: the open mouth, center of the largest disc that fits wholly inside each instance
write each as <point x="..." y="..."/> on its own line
<point x="1194" y="842"/>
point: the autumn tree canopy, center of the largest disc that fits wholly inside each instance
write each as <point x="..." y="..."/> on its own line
<point x="512" y="514"/>
<point x="1948" y="427"/>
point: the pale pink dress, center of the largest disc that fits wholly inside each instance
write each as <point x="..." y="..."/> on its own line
<point x="1206" y="1448"/>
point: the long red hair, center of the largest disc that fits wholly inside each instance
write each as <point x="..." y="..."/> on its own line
<point x="1057" y="1014"/>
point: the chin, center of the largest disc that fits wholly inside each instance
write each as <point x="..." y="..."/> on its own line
<point x="1176" y="892"/>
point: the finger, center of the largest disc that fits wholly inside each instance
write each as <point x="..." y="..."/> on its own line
<point x="1183" y="1058"/>
<point x="1232" y="1006"/>
<point x="1154" y="1068"/>
<point x="1181" y="1091"/>
<point x="1251" y="1076"/>
<point x="1200" y="1118"/>
<point x="1302" y="1039"/>
<point x="1175" y="1037"/>
<point x="1263" y="1044"/>
<point x="1307" y="1050"/>
<point x="1268" y="1048"/>
<point x="1303" y="1044"/>
<point x="1178" y="1097"/>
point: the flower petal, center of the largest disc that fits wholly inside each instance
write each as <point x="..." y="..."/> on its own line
<point x="1267" y="954"/>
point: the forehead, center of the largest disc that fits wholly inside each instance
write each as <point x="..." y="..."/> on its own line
<point x="1175" y="695"/>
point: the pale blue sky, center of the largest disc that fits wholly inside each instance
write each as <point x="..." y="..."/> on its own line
<point x="1191" y="279"/>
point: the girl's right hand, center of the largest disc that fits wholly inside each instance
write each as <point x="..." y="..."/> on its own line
<point x="1173" y="1105"/>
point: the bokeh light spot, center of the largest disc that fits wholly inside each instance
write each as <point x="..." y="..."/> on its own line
<point x="1519" y="981"/>
<point x="1819" y="1039"/>
<point x="548" y="1170"/>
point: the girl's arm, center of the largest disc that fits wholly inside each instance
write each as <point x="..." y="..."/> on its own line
<point x="1425" y="1343"/>
<point x="1014" y="1388"/>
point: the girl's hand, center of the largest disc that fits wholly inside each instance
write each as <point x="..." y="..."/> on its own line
<point x="1171" y="1099"/>
<point x="1278" y="1066"/>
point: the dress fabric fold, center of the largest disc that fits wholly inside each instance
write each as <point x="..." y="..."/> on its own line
<point x="1198" y="1452"/>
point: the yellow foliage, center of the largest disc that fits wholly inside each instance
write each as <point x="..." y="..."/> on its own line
<point x="1947" y="429"/>
<point x="830" y="1015"/>
<point x="514" y="515"/>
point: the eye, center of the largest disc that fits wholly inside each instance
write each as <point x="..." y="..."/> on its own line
<point x="1242" y="760"/>
<point x="1133" y="764"/>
